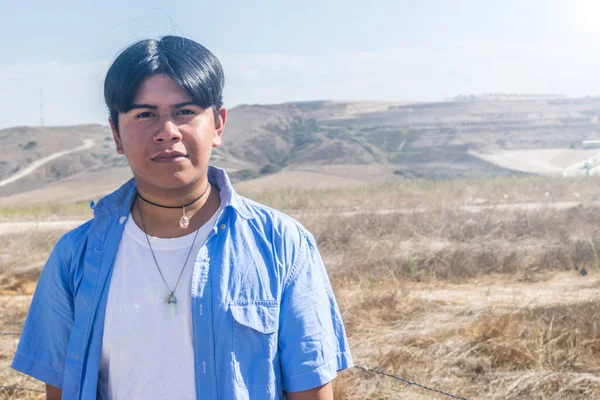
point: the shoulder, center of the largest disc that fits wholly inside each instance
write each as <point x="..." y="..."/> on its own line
<point x="290" y="243"/>
<point x="77" y="235"/>
<point x="72" y="244"/>
<point x="277" y="223"/>
<point x="117" y="201"/>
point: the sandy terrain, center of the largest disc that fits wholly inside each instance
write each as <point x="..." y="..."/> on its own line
<point x="538" y="161"/>
<point x="90" y="186"/>
<point x="296" y="180"/>
<point x="373" y="173"/>
<point x="355" y="109"/>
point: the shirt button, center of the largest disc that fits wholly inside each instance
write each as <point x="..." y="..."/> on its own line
<point x="204" y="367"/>
<point x="76" y="357"/>
<point x="222" y="226"/>
<point x="86" y="301"/>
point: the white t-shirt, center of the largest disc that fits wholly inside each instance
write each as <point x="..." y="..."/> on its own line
<point x="147" y="349"/>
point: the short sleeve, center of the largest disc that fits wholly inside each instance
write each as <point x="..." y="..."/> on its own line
<point x="45" y="335"/>
<point x="312" y="340"/>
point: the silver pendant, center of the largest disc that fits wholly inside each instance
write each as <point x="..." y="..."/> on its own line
<point x="170" y="299"/>
<point x="184" y="222"/>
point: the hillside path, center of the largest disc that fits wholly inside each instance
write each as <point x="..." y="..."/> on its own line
<point x="87" y="144"/>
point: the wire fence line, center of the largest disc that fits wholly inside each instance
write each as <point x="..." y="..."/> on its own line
<point x="364" y="368"/>
<point x="408" y="382"/>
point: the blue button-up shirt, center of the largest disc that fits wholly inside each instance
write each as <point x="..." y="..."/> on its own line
<point x="264" y="316"/>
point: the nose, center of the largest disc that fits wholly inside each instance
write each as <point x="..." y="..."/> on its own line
<point x="168" y="132"/>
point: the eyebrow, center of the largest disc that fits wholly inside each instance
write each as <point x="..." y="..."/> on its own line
<point x="153" y="107"/>
<point x="186" y="103"/>
<point x="137" y="105"/>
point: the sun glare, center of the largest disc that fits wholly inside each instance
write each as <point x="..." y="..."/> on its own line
<point x="587" y="15"/>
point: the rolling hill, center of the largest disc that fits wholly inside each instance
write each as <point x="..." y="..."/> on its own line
<point x="350" y="142"/>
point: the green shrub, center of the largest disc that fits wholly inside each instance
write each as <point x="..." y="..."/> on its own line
<point x="30" y="145"/>
<point x="269" y="169"/>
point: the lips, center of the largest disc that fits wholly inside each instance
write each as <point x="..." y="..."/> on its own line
<point x="168" y="156"/>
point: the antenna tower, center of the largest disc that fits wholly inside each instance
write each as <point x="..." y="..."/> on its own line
<point x="41" y="107"/>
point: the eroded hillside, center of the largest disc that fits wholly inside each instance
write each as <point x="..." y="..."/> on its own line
<point x="426" y="140"/>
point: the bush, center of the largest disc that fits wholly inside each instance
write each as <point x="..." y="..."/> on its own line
<point x="30" y="145"/>
<point x="269" y="169"/>
<point x="245" y="174"/>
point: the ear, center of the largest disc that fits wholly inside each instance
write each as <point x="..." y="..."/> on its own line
<point x="116" y="136"/>
<point x="219" y="126"/>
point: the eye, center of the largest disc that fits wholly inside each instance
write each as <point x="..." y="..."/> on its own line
<point x="145" y="114"/>
<point x="186" y="111"/>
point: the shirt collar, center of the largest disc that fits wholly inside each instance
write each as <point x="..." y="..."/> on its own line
<point x="229" y="197"/>
<point x="122" y="199"/>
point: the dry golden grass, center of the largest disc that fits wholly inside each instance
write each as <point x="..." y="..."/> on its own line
<point x="45" y="211"/>
<point x="21" y="259"/>
<point x="368" y="197"/>
<point x="485" y="303"/>
<point x="531" y="353"/>
<point x="543" y="352"/>
<point x="558" y="338"/>
<point x="436" y="194"/>
<point x="455" y="245"/>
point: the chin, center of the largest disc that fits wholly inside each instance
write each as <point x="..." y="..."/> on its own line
<point x="166" y="182"/>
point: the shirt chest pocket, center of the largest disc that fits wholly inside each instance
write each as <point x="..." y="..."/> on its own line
<point x="255" y="326"/>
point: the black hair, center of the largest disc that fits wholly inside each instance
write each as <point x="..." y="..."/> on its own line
<point x="191" y="65"/>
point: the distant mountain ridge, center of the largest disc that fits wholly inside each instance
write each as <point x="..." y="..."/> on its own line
<point x="425" y="140"/>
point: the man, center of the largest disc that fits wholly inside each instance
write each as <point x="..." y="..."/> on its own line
<point x="178" y="287"/>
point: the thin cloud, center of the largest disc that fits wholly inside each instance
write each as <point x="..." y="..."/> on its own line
<point x="73" y="92"/>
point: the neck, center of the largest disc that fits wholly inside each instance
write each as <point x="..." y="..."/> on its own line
<point x="164" y="222"/>
<point x="175" y="197"/>
<point x="182" y="206"/>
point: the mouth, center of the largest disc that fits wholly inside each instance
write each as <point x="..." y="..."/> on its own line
<point x="167" y="157"/>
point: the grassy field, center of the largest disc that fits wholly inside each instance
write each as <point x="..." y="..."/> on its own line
<point x="405" y="194"/>
<point x="486" y="289"/>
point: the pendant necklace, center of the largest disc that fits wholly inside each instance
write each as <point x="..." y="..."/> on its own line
<point x="184" y="221"/>
<point x="170" y="298"/>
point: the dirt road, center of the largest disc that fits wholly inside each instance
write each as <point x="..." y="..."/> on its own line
<point x="24" y="226"/>
<point x="87" y="144"/>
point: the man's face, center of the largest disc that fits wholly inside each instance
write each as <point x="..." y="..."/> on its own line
<point x="166" y="138"/>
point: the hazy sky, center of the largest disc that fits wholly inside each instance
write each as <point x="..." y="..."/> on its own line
<point x="277" y="51"/>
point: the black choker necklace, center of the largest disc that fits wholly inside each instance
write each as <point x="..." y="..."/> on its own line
<point x="184" y="222"/>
